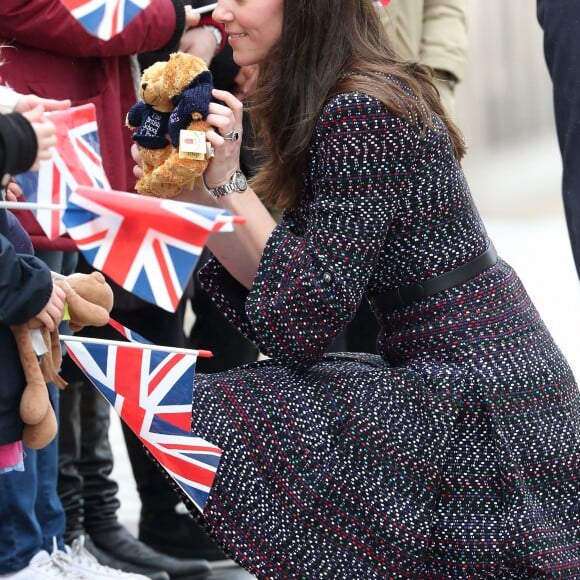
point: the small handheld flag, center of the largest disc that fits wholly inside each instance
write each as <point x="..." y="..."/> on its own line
<point x="105" y="18"/>
<point x="76" y="161"/>
<point x="133" y="336"/>
<point x="151" y="390"/>
<point x="150" y="246"/>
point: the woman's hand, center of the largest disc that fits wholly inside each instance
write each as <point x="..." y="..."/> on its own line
<point x="137" y="169"/>
<point x="241" y="250"/>
<point x="226" y="140"/>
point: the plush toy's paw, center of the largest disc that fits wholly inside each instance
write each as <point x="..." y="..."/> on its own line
<point x="145" y="187"/>
<point x="35" y="402"/>
<point x="89" y="299"/>
<point x="40" y="435"/>
<point x="162" y="187"/>
<point x="151" y="159"/>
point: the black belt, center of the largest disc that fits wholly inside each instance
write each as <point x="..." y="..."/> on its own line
<point x="405" y="295"/>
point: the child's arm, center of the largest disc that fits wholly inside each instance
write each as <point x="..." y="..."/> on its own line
<point x="18" y="147"/>
<point x="13" y="102"/>
<point x="25" y="283"/>
<point x="25" y="140"/>
<point x="45" y="133"/>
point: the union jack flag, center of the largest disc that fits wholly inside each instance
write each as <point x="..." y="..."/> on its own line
<point x="75" y="161"/>
<point x="149" y="246"/>
<point x="152" y="393"/>
<point x="381" y="2"/>
<point x="129" y="334"/>
<point x="105" y="18"/>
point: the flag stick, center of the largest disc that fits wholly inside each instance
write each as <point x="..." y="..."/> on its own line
<point x="204" y="9"/>
<point x="31" y="205"/>
<point x="200" y="353"/>
<point x="59" y="207"/>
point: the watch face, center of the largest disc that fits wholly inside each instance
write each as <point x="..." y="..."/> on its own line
<point x="240" y="181"/>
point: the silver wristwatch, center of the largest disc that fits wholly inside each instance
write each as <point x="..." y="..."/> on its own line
<point x="237" y="184"/>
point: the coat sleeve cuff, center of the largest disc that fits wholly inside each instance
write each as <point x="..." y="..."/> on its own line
<point x="218" y="30"/>
<point x="8" y="100"/>
<point x="17" y="143"/>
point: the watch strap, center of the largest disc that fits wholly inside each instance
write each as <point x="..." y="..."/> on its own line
<point x="227" y="188"/>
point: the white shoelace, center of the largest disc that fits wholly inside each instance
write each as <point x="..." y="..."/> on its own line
<point x="82" y="559"/>
<point x="58" y="564"/>
<point x="62" y="561"/>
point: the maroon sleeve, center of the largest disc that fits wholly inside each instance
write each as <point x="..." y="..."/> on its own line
<point x="206" y="20"/>
<point x="48" y="25"/>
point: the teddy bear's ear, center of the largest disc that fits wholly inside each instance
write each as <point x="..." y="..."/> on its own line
<point x="98" y="276"/>
<point x="181" y="69"/>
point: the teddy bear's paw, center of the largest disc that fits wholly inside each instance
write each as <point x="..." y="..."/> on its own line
<point x="165" y="182"/>
<point x="166" y="192"/>
<point x="143" y="186"/>
<point x="160" y="189"/>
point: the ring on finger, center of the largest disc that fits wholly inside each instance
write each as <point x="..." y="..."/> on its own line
<point x="232" y="136"/>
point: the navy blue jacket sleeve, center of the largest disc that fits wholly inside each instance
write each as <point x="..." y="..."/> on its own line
<point x="25" y="282"/>
<point x="18" y="146"/>
<point x="25" y="287"/>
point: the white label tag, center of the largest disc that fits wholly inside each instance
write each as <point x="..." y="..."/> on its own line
<point x="38" y="343"/>
<point x="192" y="144"/>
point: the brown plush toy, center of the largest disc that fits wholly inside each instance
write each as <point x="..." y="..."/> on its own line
<point x="170" y="124"/>
<point x="89" y="300"/>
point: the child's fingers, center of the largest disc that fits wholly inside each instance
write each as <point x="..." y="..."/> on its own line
<point x="14" y="190"/>
<point x="34" y="115"/>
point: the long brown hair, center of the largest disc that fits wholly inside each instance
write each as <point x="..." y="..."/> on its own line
<point x="328" y="47"/>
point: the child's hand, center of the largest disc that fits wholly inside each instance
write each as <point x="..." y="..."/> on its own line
<point x="45" y="134"/>
<point x="192" y="17"/>
<point x="27" y="103"/>
<point x="13" y="191"/>
<point x="199" y="42"/>
<point x="51" y="315"/>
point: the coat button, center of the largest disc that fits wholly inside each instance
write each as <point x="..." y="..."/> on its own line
<point x="327" y="277"/>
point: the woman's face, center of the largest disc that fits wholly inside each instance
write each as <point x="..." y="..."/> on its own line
<point x="253" y="27"/>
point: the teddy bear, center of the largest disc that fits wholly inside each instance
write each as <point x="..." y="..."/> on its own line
<point x="89" y="300"/>
<point x="169" y="124"/>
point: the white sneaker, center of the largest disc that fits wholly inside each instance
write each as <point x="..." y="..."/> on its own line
<point x="83" y="562"/>
<point x="44" y="566"/>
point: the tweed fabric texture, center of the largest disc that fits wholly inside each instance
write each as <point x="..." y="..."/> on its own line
<point x="454" y="452"/>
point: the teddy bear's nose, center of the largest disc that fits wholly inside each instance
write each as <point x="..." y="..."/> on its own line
<point x="143" y="86"/>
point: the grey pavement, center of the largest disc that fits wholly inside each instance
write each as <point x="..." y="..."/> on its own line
<point x="518" y="192"/>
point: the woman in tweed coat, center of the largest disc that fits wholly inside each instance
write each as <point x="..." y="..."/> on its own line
<point x="452" y="453"/>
